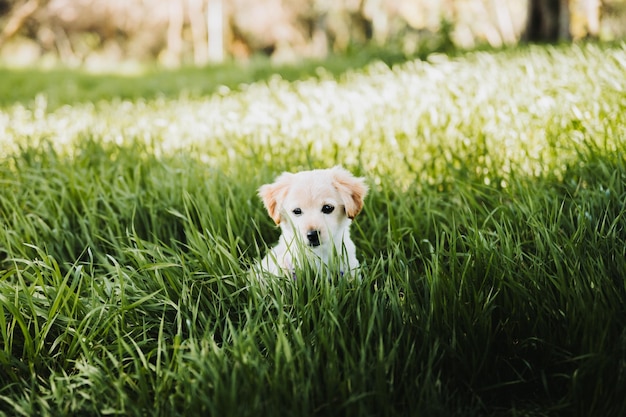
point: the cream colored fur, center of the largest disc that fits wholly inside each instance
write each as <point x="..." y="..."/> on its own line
<point x="314" y="210"/>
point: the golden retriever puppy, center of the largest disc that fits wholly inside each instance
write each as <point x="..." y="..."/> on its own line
<point x="314" y="210"/>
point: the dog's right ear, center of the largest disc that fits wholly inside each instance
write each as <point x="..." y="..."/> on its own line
<point x="274" y="194"/>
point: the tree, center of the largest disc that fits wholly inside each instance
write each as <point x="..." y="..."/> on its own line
<point x="18" y="17"/>
<point x="215" y="25"/>
<point x="548" y="21"/>
<point x="558" y="20"/>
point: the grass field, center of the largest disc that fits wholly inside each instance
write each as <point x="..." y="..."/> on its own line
<point x="493" y="240"/>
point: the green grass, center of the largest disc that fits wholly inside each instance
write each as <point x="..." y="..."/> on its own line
<point x="493" y="242"/>
<point x="62" y="86"/>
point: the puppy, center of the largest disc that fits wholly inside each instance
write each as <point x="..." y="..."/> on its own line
<point x="314" y="210"/>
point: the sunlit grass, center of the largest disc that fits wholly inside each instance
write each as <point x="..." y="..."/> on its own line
<point x="493" y="243"/>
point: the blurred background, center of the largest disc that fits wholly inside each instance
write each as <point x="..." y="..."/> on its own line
<point x="99" y="34"/>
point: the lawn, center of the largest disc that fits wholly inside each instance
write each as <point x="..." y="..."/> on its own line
<point x="493" y="240"/>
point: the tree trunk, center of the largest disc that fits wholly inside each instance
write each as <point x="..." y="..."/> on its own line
<point x="198" y="31"/>
<point x="548" y="21"/>
<point x="173" y="53"/>
<point x="215" y="29"/>
<point x="504" y="22"/>
<point x="586" y="18"/>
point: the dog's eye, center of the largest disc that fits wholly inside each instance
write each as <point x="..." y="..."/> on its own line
<point x="297" y="211"/>
<point x="327" y="209"/>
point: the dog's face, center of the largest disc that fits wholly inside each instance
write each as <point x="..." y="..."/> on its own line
<point x="314" y="207"/>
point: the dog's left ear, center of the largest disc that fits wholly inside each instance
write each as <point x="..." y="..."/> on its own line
<point x="274" y="194"/>
<point x="351" y="188"/>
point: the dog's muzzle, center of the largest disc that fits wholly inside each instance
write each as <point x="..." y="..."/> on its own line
<point x="313" y="236"/>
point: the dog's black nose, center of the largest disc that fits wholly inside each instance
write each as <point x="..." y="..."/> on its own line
<point x="314" y="237"/>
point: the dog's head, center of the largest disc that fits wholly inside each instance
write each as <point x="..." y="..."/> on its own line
<point x="317" y="206"/>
